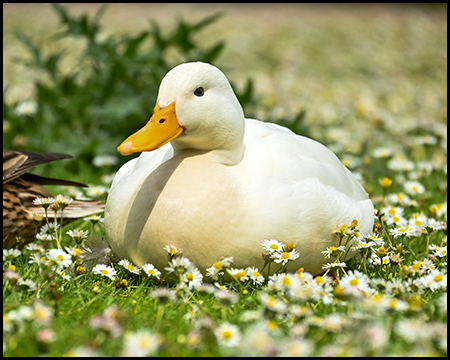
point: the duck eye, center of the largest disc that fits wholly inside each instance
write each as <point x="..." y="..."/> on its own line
<point x="199" y="91"/>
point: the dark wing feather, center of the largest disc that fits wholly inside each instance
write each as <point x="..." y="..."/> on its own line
<point x="17" y="163"/>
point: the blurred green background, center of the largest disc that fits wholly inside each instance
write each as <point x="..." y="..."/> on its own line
<point x="80" y="78"/>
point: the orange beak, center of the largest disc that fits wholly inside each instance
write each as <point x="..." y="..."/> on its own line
<point x="162" y="127"/>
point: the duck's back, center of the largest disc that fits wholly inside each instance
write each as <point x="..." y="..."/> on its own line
<point x="300" y="190"/>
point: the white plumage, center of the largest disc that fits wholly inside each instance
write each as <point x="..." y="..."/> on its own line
<point x="227" y="184"/>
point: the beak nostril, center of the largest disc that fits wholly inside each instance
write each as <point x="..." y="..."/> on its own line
<point x="161" y="120"/>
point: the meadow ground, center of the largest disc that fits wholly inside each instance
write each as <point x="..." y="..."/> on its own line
<point x="369" y="82"/>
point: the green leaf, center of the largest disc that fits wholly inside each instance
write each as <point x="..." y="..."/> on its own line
<point x="213" y="53"/>
<point x="206" y="21"/>
<point x="133" y="45"/>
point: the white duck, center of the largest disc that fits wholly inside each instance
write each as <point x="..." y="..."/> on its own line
<point x="216" y="184"/>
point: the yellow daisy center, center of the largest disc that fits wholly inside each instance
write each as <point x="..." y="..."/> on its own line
<point x="319" y="280"/>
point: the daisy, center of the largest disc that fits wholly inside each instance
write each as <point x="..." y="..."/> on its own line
<point x="221" y="287"/>
<point x="218" y="267"/>
<point x="368" y="238"/>
<point x="399" y="198"/>
<point x="392" y="211"/>
<point x="12" y="276"/>
<point x="150" y="271"/>
<point x="129" y="266"/>
<point x="283" y="257"/>
<point x="412" y="330"/>
<point x="62" y="273"/>
<point x="414" y="187"/>
<point x="226" y="298"/>
<point x="295" y="348"/>
<point x="74" y="251"/>
<point x="28" y="285"/>
<point x="396" y="220"/>
<point x="228" y="335"/>
<point x="163" y="295"/>
<point x="382" y="152"/>
<point x="141" y="343"/>
<point x="49" y="229"/>
<point x="271" y="303"/>
<point x="272" y="245"/>
<point x="426" y="140"/>
<point x="105" y="160"/>
<point x="364" y="245"/>
<point x="434" y="280"/>
<point x="61" y="258"/>
<point x="431" y="224"/>
<point x="439" y="251"/>
<point x="350" y="161"/>
<point x="27" y="108"/>
<point x="33" y="247"/>
<point x="333" y="251"/>
<point x="355" y="280"/>
<point x="333" y="322"/>
<point x="104" y="270"/>
<point x="178" y="265"/>
<point x="9" y="254"/>
<point x="255" y="276"/>
<point x="417" y="223"/>
<point x="397" y="285"/>
<point x="396" y="304"/>
<point x="285" y="282"/>
<point x="172" y="250"/>
<point x="94" y="219"/>
<point x="402" y="231"/>
<point x="44" y="237"/>
<point x="44" y="202"/>
<point x="78" y="235"/>
<point x="192" y="277"/>
<point x="439" y="209"/>
<point x="61" y="202"/>
<point x="400" y="164"/>
<point x="206" y="289"/>
<point x="238" y="274"/>
<point x="42" y="313"/>
<point x="334" y="265"/>
<point x="385" y="182"/>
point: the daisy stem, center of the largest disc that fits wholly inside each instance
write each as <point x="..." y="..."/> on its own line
<point x="159" y="316"/>
<point x="61" y="229"/>
<point x="56" y="231"/>
<point x="46" y="216"/>
<point x="380" y="218"/>
<point x="428" y="244"/>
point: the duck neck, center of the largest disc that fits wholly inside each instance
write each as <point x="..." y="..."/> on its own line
<point x="229" y="157"/>
<point x="226" y="156"/>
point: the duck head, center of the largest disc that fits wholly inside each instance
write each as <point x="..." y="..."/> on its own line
<point x="196" y="109"/>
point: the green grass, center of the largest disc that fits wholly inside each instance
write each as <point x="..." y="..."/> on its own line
<point x="370" y="84"/>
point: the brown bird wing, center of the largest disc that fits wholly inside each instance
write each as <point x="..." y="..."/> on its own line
<point x="17" y="163"/>
<point x="21" y="188"/>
